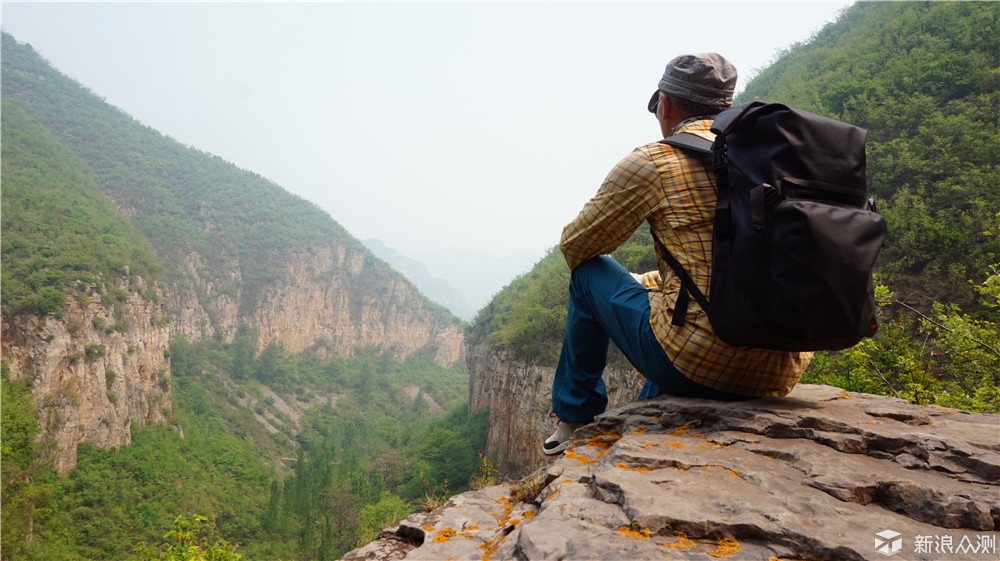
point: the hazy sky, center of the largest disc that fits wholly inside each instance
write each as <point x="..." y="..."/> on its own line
<point x="426" y="125"/>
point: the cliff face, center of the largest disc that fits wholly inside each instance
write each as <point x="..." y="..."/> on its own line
<point x="819" y="474"/>
<point x="94" y="371"/>
<point x="517" y="395"/>
<point x="328" y="295"/>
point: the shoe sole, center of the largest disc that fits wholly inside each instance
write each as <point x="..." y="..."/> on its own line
<point x="557" y="450"/>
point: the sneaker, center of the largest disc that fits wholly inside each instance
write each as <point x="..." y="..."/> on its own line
<point x="561" y="438"/>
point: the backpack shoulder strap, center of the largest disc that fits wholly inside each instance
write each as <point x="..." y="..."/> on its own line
<point x="702" y="147"/>
<point x="688" y="286"/>
<point x="689" y="142"/>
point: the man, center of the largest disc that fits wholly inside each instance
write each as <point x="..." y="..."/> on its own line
<point x="675" y="192"/>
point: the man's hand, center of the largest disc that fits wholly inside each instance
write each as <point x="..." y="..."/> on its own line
<point x="650" y="280"/>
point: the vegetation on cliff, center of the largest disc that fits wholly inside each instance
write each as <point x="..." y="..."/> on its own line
<point x="367" y="448"/>
<point x="922" y="78"/>
<point x="58" y="228"/>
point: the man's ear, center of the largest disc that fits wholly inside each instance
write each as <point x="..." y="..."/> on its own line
<point x="661" y="107"/>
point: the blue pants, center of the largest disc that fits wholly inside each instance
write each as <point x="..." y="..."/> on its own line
<point x="606" y="303"/>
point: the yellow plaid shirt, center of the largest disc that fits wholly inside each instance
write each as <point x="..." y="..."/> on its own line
<point x="675" y="192"/>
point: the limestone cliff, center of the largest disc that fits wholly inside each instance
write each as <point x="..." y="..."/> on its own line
<point x="95" y="370"/>
<point x="819" y="474"/>
<point x="516" y="393"/>
<point x="338" y="296"/>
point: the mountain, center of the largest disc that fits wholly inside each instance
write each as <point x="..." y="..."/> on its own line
<point x="479" y="275"/>
<point x="183" y="336"/>
<point x="923" y="79"/>
<point x="438" y="290"/>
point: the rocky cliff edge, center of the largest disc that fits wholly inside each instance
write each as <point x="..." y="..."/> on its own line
<point x="819" y="474"/>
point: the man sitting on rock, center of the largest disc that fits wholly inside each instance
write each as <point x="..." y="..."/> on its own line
<point x="675" y="193"/>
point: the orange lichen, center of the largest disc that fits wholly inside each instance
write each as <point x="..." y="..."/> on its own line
<point x="604" y="441"/>
<point x="641" y="469"/>
<point x="726" y="548"/>
<point x="427" y="528"/>
<point x="712" y="445"/>
<point x="685" y="431"/>
<point x="635" y="531"/>
<point x="733" y="472"/>
<point x="656" y="418"/>
<point x="445" y="534"/>
<point x="489" y="549"/>
<point x="554" y="491"/>
<point x="647" y="445"/>
<point x="638" y="430"/>
<point x="682" y="541"/>
<point x="582" y="459"/>
<point x="472" y="527"/>
<point x="514" y="521"/>
<point x="529" y="514"/>
<point x="674" y="444"/>
<point x="622" y="466"/>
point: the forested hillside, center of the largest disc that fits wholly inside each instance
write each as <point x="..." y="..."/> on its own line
<point x="923" y="79"/>
<point x="185" y="338"/>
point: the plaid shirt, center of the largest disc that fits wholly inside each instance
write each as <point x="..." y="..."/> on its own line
<point x="676" y="194"/>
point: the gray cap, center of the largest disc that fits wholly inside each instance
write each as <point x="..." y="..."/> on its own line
<point x="706" y="78"/>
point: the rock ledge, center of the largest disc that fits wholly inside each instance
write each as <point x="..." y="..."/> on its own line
<point x="814" y="475"/>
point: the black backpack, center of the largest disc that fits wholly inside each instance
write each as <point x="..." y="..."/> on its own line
<point x="795" y="236"/>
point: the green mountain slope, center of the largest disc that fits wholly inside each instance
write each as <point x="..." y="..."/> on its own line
<point x="58" y="227"/>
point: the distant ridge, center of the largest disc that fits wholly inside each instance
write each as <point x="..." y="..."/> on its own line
<point x="438" y="290"/>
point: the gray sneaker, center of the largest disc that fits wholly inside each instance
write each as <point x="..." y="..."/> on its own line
<point x="561" y="438"/>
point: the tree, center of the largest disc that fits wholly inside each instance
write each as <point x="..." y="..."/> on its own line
<point x="944" y="358"/>
<point x="389" y="510"/>
<point x="188" y="541"/>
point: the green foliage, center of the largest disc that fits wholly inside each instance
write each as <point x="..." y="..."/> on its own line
<point x="188" y="540"/>
<point x="59" y="229"/>
<point x="953" y="362"/>
<point x="26" y="473"/>
<point x="358" y="462"/>
<point x="389" y="510"/>
<point x="487" y="474"/>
